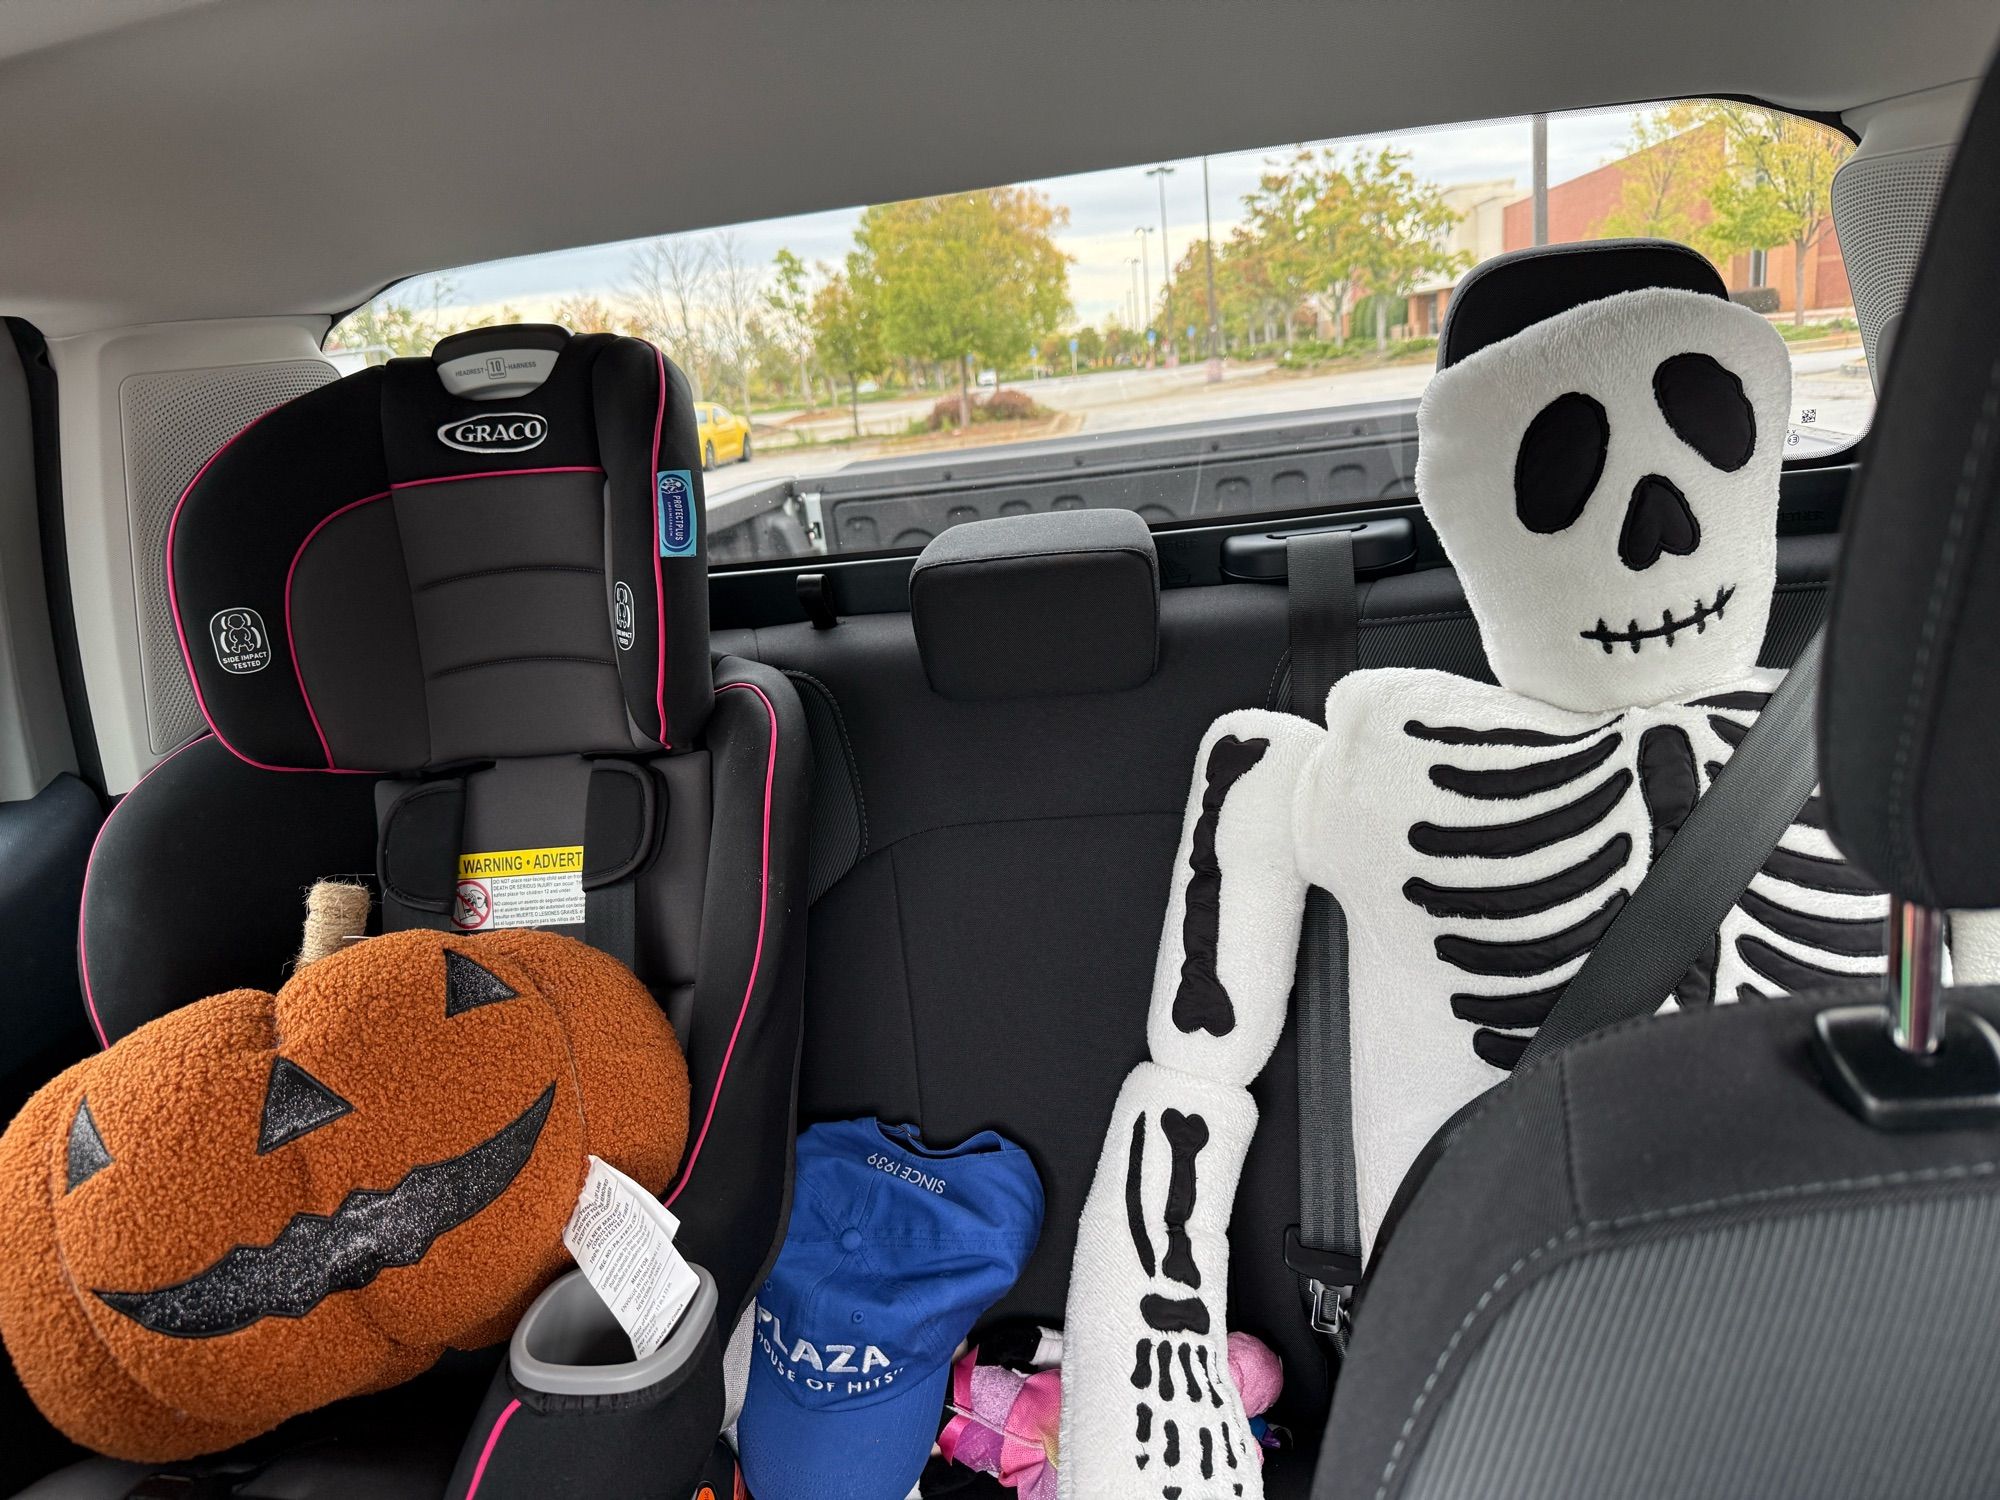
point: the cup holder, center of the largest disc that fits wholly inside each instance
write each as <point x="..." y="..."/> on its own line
<point x="569" y="1344"/>
<point x="572" y="1414"/>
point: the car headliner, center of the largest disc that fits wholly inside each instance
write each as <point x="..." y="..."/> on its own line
<point x="177" y="159"/>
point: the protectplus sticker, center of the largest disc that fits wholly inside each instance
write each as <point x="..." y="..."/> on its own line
<point x="519" y="888"/>
<point x="675" y="489"/>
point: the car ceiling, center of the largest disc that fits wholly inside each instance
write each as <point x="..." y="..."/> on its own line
<point x="184" y="159"/>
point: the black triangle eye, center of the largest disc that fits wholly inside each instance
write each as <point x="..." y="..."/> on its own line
<point x="295" y="1104"/>
<point x="86" y="1156"/>
<point x="467" y="986"/>
<point x="1705" y="406"/>
<point x="1561" y="459"/>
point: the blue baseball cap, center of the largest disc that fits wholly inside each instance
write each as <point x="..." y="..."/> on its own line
<point x="893" y="1251"/>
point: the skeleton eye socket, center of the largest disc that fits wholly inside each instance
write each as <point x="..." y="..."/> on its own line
<point x="1560" y="462"/>
<point x="1705" y="406"/>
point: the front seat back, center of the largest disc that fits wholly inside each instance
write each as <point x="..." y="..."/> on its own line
<point x="447" y="620"/>
<point x="1691" y="1256"/>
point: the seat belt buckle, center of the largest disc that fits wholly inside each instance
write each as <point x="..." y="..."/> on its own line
<point x="1330" y="1277"/>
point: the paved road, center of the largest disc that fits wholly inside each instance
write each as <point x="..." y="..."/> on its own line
<point x="1831" y="385"/>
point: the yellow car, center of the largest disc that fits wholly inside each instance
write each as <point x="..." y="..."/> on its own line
<point x="724" y="435"/>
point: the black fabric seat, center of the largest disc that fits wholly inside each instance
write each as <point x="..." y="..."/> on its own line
<point x="420" y="625"/>
<point x="1701" y="1254"/>
<point x="988" y="870"/>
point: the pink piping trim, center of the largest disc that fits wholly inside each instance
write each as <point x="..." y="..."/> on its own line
<point x="492" y="1439"/>
<point x="659" y="580"/>
<point x="83" y="906"/>
<point x="291" y="641"/>
<point x="411" y="484"/>
<point x="756" y="957"/>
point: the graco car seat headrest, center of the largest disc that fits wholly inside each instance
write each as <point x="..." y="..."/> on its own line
<point x="494" y="551"/>
<point x="1500" y="297"/>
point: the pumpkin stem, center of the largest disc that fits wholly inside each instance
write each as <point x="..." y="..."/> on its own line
<point x="336" y="915"/>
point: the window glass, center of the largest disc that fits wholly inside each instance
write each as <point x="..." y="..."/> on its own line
<point x="1286" y="300"/>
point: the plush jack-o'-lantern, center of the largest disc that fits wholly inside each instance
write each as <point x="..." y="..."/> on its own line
<point x="257" y="1204"/>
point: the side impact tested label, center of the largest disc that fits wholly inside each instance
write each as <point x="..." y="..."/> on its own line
<point x="675" y="489"/>
<point x="241" y="646"/>
<point x="623" y="1238"/>
<point x="519" y="888"/>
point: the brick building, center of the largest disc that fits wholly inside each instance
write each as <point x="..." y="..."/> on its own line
<point x="1580" y="205"/>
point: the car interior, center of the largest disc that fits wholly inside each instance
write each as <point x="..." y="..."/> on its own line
<point x="708" y="791"/>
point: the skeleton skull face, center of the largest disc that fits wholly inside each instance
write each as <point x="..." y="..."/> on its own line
<point x="1606" y="484"/>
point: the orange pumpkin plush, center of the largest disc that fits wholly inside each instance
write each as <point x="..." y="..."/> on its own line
<point x="259" y="1203"/>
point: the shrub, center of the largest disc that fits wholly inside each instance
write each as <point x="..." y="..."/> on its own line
<point x="1759" y="299"/>
<point x="1000" y="406"/>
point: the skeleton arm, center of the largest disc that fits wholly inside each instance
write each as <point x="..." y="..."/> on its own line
<point x="1148" y="1407"/>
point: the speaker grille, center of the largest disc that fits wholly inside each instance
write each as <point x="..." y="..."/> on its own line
<point x="174" y="421"/>
<point x="1882" y="209"/>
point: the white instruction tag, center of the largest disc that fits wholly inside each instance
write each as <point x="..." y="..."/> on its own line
<point x="623" y="1238"/>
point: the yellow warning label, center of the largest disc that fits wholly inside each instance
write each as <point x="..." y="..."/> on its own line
<point x="503" y="863"/>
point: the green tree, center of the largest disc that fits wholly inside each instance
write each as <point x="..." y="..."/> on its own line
<point x="1401" y="223"/>
<point x="1672" y="162"/>
<point x="970" y="276"/>
<point x="1279" y="233"/>
<point x="846" y="331"/>
<point x="1778" y="189"/>
<point x="791" y="311"/>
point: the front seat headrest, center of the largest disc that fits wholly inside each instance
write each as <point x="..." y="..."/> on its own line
<point x="1501" y="297"/>
<point x="1908" y="758"/>
<point x="1035" y="606"/>
<point x="385" y="576"/>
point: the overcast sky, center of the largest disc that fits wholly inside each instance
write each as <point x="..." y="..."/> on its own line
<point x="1104" y="207"/>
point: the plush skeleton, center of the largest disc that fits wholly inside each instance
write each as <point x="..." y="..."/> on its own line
<point x="1145" y="1355"/>
<point x="1606" y="484"/>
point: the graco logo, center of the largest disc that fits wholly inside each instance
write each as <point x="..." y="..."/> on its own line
<point x="499" y="432"/>
<point x="241" y="646"/>
<point x="624" y="615"/>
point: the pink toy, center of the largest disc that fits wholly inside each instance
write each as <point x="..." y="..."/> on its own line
<point x="1006" y="1422"/>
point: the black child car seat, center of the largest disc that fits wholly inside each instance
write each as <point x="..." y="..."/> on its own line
<point x="455" y="605"/>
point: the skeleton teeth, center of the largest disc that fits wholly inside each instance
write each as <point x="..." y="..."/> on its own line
<point x="1632" y="635"/>
<point x="1603" y="635"/>
<point x="1667" y="620"/>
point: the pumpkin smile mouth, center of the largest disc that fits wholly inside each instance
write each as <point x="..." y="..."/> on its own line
<point x="316" y="1255"/>
<point x="1696" y="620"/>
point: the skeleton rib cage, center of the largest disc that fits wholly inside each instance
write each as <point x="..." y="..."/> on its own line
<point x="1808" y="918"/>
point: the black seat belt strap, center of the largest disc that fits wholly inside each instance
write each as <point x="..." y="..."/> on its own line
<point x="1673" y="914"/>
<point x="1324" y="1249"/>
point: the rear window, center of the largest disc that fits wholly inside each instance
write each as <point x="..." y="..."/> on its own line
<point x="1188" y="338"/>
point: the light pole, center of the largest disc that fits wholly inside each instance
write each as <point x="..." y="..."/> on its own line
<point x="1208" y="239"/>
<point x="1160" y="175"/>
<point x="1146" y="283"/>
<point x="1133" y="262"/>
<point x="1538" y="142"/>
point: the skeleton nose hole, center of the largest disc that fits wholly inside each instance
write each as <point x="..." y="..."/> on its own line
<point x="1657" y="520"/>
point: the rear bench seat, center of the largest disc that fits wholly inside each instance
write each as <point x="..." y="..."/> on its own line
<point x="989" y="869"/>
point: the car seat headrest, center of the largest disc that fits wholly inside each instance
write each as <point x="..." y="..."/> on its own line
<point x="488" y="364"/>
<point x="1910" y="695"/>
<point x="384" y="575"/>
<point x="1038" y="605"/>
<point x="1500" y="297"/>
